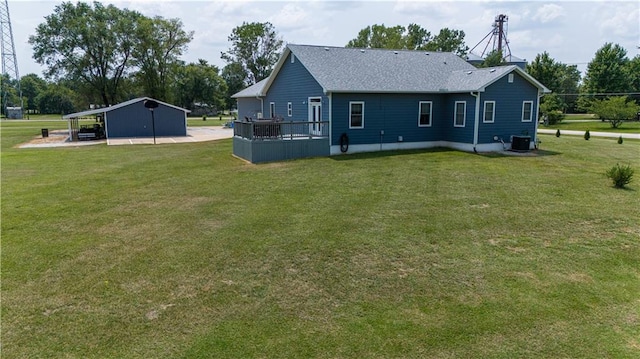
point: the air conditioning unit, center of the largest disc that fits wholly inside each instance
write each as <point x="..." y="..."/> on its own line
<point x="520" y="143"/>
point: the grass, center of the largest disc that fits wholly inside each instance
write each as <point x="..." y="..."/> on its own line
<point x="184" y="251"/>
<point x="593" y="125"/>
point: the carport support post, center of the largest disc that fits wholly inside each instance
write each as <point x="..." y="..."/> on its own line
<point x="153" y="126"/>
<point x="151" y="104"/>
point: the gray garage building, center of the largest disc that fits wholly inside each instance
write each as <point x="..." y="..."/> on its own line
<point x="130" y="119"/>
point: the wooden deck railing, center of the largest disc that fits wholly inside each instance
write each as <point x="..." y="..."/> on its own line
<point x="269" y="129"/>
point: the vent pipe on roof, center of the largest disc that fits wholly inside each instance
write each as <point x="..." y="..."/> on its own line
<point x="326" y="49"/>
<point x="362" y="50"/>
<point x="395" y="52"/>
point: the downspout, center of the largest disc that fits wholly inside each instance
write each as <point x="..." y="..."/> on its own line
<point x="476" y="121"/>
<point x="330" y="120"/>
<point x="535" y="130"/>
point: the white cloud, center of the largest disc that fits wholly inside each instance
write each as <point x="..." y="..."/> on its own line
<point x="291" y="16"/>
<point x="548" y="13"/>
<point x="622" y="20"/>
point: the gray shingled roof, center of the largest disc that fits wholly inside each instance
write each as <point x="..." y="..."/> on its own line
<point x="476" y="79"/>
<point x="339" y="69"/>
<point x="378" y="70"/>
<point x="251" y="91"/>
<point x="117" y="106"/>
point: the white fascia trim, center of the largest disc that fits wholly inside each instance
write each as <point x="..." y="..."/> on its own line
<point x="467" y="147"/>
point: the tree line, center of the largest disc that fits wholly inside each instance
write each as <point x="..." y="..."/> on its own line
<point x="97" y="54"/>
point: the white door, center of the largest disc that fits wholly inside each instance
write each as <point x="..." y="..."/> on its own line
<point x="315" y="116"/>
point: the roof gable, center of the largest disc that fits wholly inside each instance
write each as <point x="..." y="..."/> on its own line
<point x="338" y="69"/>
<point x="254" y="90"/>
<point x="120" y="105"/>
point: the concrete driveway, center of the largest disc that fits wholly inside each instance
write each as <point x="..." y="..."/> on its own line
<point x="58" y="138"/>
<point x="194" y="134"/>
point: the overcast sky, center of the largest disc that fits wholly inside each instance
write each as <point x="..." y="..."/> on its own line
<point x="570" y="31"/>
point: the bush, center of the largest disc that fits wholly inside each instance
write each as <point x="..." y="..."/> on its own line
<point x="204" y="117"/>
<point x="587" y="135"/>
<point x="620" y="140"/>
<point x="620" y="175"/>
<point x="554" y="117"/>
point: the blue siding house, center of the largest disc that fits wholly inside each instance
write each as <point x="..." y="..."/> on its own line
<point x="132" y="119"/>
<point x="322" y="101"/>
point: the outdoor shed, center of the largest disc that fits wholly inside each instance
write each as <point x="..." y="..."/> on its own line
<point x="132" y="119"/>
<point x="321" y="101"/>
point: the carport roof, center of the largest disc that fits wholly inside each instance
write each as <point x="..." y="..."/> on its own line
<point x="120" y="105"/>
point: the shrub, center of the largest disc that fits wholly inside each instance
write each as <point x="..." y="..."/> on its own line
<point x="204" y="117"/>
<point x="620" y="140"/>
<point x="620" y="175"/>
<point x="587" y="135"/>
<point x="554" y="117"/>
<point x="558" y="133"/>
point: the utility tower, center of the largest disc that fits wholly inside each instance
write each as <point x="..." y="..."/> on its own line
<point x="497" y="38"/>
<point x="9" y="66"/>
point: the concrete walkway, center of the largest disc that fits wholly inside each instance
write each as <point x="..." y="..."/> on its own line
<point x="58" y="138"/>
<point x="592" y="133"/>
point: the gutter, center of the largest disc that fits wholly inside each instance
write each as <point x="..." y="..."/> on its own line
<point x="476" y="120"/>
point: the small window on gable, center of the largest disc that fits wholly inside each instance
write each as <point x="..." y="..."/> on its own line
<point x="489" y="111"/>
<point x="424" y="114"/>
<point x="289" y="108"/>
<point x="272" y="110"/>
<point x="293" y="58"/>
<point x="510" y="78"/>
<point x="356" y="114"/>
<point x="459" y="114"/>
<point x="527" y="111"/>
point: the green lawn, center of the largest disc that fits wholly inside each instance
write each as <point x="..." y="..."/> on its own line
<point x="184" y="251"/>
<point x="593" y="125"/>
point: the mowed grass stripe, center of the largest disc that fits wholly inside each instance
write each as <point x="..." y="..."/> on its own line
<point x="185" y="251"/>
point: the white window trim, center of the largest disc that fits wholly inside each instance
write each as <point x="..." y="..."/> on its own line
<point x="350" y="113"/>
<point x="493" y="113"/>
<point x="430" y="113"/>
<point x="530" y="111"/>
<point x="293" y="58"/>
<point x="464" y="113"/>
<point x="510" y="78"/>
<point x="289" y="109"/>
<point x="272" y="109"/>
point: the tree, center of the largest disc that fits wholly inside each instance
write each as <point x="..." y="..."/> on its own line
<point x="8" y="89"/>
<point x="557" y="77"/>
<point x="615" y="110"/>
<point x="380" y="37"/>
<point x="414" y="37"/>
<point x="545" y="69"/>
<point x="634" y="73"/>
<point x="55" y="99"/>
<point x="234" y="76"/>
<point x="257" y="47"/>
<point x="494" y="58"/>
<point x="91" y="43"/>
<point x="161" y="43"/>
<point x="31" y="85"/>
<point x="448" y="40"/>
<point x="608" y="71"/>
<point x="200" y="83"/>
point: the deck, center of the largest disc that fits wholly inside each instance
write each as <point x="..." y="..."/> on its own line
<point x="270" y="140"/>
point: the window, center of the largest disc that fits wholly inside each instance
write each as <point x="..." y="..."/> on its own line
<point x="293" y="58"/>
<point x="510" y="78"/>
<point x="289" y="109"/>
<point x="489" y="111"/>
<point x="460" y="114"/>
<point x="356" y="114"/>
<point x="527" y="107"/>
<point x="272" y="109"/>
<point x="424" y="114"/>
